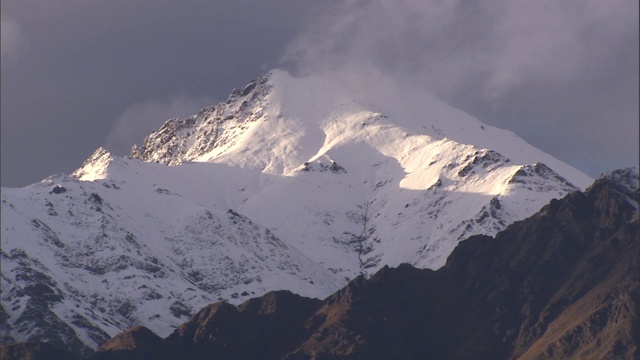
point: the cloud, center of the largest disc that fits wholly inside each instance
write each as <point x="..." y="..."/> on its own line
<point x="518" y="64"/>
<point x="138" y="120"/>
<point x="494" y="45"/>
<point x="11" y="40"/>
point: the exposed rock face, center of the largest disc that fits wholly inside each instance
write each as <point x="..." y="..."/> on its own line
<point x="262" y="328"/>
<point x="562" y="284"/>
<point x="137" y="343"/>
<point x="214" y="127"/>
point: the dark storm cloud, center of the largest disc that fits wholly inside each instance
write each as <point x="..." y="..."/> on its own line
<point x="84" y="63"/>
<point x="561" y="74"/>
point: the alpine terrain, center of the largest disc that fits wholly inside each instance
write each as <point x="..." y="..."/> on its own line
<point x="294" y="184"/>
<point x="562" y="284"/>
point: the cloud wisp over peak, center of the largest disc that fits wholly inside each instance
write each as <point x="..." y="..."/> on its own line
<point x="12" y="39"/>
<point x="523" y="65"/>
<point x="140" y="119"/>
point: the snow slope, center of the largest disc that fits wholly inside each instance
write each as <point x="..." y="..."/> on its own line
<point x="292" y="183"/>
<point x="406" y="164"/>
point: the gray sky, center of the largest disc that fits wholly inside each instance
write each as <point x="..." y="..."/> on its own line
<point x="78" y="74"/>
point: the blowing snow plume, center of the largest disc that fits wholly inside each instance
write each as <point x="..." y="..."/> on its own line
<point x="561" y="74"/>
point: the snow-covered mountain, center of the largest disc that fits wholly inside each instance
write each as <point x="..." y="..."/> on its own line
<point x="561" y="284"/>
<point x="292" y="183"/>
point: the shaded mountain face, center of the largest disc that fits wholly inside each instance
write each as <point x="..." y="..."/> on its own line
<point x="33" y="351"/>
<point x="564" y="283"/>
<point x="291" y="184"/>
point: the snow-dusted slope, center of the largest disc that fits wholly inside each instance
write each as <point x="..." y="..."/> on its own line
<point x="413" y="170"/>
<point x="290" y="184"/>
<point x="104" y="256"/>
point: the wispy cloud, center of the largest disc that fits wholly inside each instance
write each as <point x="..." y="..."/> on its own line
<point x="449" y="46"/>
<point x="11" y="40"/>
<point x="138" y="120"/>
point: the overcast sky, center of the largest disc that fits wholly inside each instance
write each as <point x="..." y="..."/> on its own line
<point x="79" y="74"/>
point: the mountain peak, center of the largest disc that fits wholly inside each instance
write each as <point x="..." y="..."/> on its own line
<point x="628" y="179"/>
<point x="278" y="122"/>
<point x="96" y="165"/>
<point x="297" y="184"/>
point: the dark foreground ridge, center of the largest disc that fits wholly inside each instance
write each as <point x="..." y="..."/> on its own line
<point x="564" y="283"/>
<point x="33" y="350"/>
